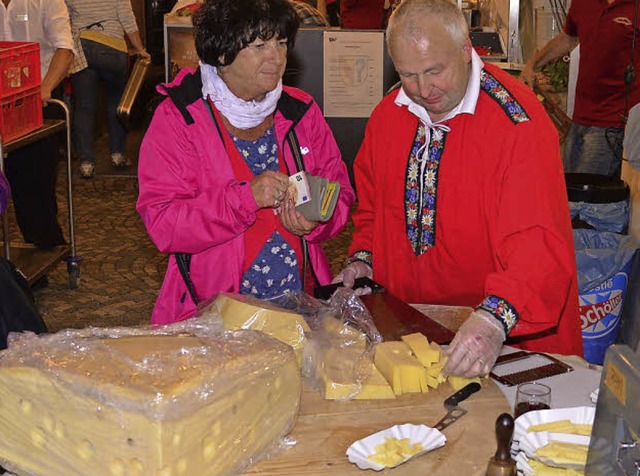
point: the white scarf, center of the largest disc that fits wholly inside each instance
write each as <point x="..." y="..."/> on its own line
<point x="240" y="113"/>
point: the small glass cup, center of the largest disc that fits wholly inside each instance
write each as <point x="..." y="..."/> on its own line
<point x="532" y="396"/>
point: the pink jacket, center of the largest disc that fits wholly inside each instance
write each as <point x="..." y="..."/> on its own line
<point x="191" y="202"/>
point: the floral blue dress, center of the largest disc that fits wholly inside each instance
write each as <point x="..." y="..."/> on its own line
<point x="275" y="270"/>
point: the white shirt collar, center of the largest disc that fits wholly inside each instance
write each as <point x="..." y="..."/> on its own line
<point x="466" y="106"/>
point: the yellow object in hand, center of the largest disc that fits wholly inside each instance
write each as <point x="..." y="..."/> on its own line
<point x="394" y="451"/>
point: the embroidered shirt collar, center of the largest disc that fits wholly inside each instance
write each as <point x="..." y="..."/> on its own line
<point x="466" y="106"/>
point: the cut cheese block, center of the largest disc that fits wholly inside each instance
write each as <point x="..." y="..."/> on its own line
<point x="247" y="312"/>
<point x="402" y="370"/>
<point x="425" y="353"/>
<point x="143" y="404"/>
<point x="348" y="374"/>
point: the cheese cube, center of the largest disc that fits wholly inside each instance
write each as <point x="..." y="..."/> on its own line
<point x="247" y="312"/>
<point x="425" y="353"/>
<point x="144" y="404"/>
<point x="402" y="370"/>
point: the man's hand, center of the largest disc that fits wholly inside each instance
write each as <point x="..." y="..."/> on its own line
<point x="348" y="275"/>
<point x="476" y="346"/>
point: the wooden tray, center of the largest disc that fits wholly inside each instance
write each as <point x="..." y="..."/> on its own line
<point x="325" y="429"/>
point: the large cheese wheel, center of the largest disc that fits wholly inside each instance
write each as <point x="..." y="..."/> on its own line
<point x="144" y="404"/>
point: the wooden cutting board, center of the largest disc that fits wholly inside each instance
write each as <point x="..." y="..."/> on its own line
<point x="325" y="429"/>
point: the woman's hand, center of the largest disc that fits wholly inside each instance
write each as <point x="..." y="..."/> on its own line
<point x="293" y="220"/>
<point x="270" y="189"/>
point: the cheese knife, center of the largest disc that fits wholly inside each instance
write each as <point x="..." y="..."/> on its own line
<point x="454" y="411"/>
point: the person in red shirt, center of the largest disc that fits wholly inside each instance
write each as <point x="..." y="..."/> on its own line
<point x="461" y="195"/>
<point x="362" y="14"/>
<point x="605" y="31"/>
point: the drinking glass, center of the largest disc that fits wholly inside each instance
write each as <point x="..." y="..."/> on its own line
<point x="532" y="396"/>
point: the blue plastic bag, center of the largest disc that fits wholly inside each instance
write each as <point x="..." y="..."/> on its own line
<point x="604" y="262"/>
<point x="600" y="255"/>
<point x="602" y="216"/>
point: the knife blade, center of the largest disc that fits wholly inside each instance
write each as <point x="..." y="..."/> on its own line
<point x="455" y="412"/>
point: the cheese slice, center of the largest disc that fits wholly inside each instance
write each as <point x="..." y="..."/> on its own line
<point x="563" y="453"/>
<point x="402" y="370"/>
<point x="247" y="312"/>
<point x="458" y="382"/>
<point x="144" y="405"/>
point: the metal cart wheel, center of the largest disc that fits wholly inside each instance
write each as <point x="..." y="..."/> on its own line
<point x="73" y="268"/>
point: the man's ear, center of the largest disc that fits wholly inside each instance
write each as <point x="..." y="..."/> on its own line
<point x="467" y="47"/>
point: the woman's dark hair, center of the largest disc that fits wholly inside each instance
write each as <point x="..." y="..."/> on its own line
<point x="224" y="27"/>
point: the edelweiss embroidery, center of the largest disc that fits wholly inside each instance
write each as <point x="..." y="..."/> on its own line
<point x="503" y="97"/>
<point x="502" y="310"/>
<point x="421" y="187"/>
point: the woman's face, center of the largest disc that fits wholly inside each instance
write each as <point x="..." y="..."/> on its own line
<point x="257" y="69"/>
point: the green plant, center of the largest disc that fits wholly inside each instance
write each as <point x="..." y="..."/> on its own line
<point x="558" y="74"/>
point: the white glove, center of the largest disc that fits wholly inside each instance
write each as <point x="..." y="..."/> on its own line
<point x="476" y="346"/>
<point x="357" y="269"/>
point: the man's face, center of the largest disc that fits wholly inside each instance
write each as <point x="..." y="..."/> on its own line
<point x="433" y="69"/>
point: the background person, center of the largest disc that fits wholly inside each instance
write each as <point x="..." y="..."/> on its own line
<point x="32" y="169"/>
<point x="308" y="15"/>
<point x="102" y="56"/>
<point x="215" y="163"/>
<point x="457" y="204"/>
<point x="604" y="29"/>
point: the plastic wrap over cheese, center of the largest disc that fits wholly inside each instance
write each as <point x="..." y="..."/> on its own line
<point x="184" y="399"/>
<point x="333" y="340"/>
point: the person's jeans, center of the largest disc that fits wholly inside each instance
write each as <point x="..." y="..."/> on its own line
<point x="110" y="66"/>
<point x="593" y="150"/>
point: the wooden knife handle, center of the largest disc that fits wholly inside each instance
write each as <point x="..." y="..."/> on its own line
<point x="504" y="434"/>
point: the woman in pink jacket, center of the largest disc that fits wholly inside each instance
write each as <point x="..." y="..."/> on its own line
<point x="215" y="164"/>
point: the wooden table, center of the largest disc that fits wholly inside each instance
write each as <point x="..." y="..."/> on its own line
<point x="325" y="429"/>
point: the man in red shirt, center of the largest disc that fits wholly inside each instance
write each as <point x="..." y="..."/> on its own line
<point x="362" y="14"/>
<point x="605" y="30"/>
<point x="461" y="195"/>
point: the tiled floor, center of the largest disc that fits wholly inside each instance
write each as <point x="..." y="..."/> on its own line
<point x="121" y="270"/>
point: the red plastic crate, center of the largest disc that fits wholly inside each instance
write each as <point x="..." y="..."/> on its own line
<point x="19" y="67"/>
<point x="21" y="114"/>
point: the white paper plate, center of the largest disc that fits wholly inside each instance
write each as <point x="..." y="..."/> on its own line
<point x="584" y="415"/>
<point x="359" y="452"/>
<point x="522" y="463"/>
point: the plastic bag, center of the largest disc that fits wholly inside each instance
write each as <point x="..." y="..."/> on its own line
<point x="333" y="340"/>
<point x="600" y="255"/>
<point x="602" y="216"/>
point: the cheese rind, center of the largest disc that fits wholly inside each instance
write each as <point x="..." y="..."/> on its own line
<point x="145" y="404"/>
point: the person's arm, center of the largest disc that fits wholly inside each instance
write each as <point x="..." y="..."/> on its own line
<point x="135" y="40"/>
<point x="187" y="204"/>
<point x="58" y="70"/>
<point x="57" y="28"/>
<point x="128" y="22"/>
<point x="560" y="45"/>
